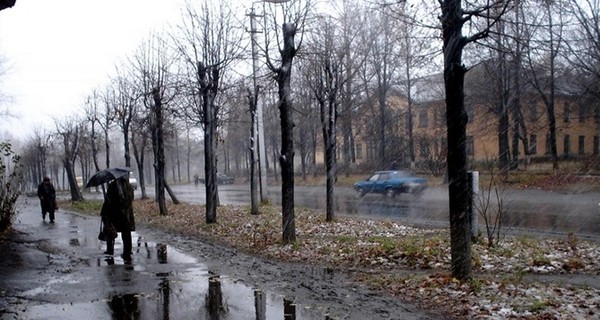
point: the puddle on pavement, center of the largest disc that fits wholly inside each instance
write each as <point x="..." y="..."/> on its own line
<point x="161" y="282"/>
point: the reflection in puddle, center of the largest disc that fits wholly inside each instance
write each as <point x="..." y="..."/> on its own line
<point x="149" y="288"/>
<point x="214" y="298"/>
<point x="161" y="252"/>
<point x="125" y="306"/>
<point x="165" y="295"/>
<point x="289" y="309"/>
<point x="260" y="304"/>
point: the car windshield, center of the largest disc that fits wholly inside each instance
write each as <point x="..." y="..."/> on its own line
<point x="374" y="177"/>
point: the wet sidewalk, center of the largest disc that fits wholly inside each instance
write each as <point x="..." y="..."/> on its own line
<point x="58" y="271"/>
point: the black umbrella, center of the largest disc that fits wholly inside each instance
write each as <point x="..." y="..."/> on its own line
<point x="106" y="175"/>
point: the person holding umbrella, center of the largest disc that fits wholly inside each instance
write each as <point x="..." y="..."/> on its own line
<point x="117" y="215"/>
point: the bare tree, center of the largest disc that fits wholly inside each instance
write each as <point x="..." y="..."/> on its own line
<point x="584" y="48"/>
<point x="308" y="119"/>
<point x="92" y="116"/>
<point x="153" y="72"/>
<point x="541" y="59"/>
<point x="42" y="142"/>
<point x="326" y="76"/>
<point x="209" y="44"/>
<point x="139" y="143"/>
<point x="106" y="123"/>
<point x="294" y="15"/>
<point x="69" y="129"/>
<point x="126" y="97"/>
<point x="352" y="19"/>
<point x="453" y="18"/>
<point x="415" y="51"/>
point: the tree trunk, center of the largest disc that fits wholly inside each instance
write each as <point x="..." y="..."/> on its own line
<point x="503" y="141"/>
<point x="71" y="144"/>
<point x="286" y="159"/>
<point x="94" y="148"/>
<point x="172" y="194"/>
<point x="139" y="153"/>
<point x="75" y="193"/>
<point x="208" y="91"/>
<point x="456" y="122"/>
<point x="382" y="130"/>
<point x="252" y="99"/>
<point x="503" y="112"/>
<point x="126" y="146"/>
<point x="107" y="147"/>
<point x="159" y="161"/>
<point x="330" y="162"/>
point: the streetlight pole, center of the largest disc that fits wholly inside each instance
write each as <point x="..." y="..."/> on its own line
<point x="258" y="135"/>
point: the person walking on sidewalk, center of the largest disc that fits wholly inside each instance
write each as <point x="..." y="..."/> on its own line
<point x="117" y="213"/>
<point x="47" y="196"/>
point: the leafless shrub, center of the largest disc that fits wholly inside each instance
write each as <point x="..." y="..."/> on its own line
<point x="492" y="205"/>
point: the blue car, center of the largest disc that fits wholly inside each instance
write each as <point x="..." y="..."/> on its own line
<point x="391" y="183"/>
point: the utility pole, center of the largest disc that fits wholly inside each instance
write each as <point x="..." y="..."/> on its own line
<point x="258" y="119"/>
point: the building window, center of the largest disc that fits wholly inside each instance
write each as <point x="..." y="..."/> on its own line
<point x="371" y="150"/>
<point x="583" y="113"/>
<point x="533" y="112"/>
<point x="359" y="151"/>
<point x="596" y="149"/>
<point x="423" y="119"/>
<point x="581" y="146"/>
<point x="470" y="146"/>
<point x="567" y="144"/>
<point x="424" y="149"/>
<point x="566" y="112"/>
<point x="533" y="144"/>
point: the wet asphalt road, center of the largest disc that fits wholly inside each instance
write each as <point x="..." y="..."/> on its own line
<point x="527" y="211"/>
<point x="60" y="272"/>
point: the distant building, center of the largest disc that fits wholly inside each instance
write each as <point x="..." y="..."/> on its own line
<point x="577" y="123"/>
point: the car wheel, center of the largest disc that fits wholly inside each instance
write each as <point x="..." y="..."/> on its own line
<point x="390" y="193"/>
<point x="360" y="192"/>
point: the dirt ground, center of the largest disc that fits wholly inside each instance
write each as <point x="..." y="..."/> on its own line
<point x="26" y="260"/>
<point x="324" y="289"/>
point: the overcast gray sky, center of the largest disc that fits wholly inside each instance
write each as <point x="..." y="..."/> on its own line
<point x="57" y="52"/>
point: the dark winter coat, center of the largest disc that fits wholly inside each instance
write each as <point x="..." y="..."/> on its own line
<point x="117" y="208"/>
<point x="47" y="196"/>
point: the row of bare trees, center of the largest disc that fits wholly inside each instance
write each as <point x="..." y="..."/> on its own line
<point x="320" y="74"/>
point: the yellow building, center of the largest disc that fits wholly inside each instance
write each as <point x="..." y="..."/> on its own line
<point x="577" y="125"/>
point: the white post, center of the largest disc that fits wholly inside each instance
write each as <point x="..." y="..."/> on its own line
<point x="262" y="154"/>
<point x="473" y="192"/>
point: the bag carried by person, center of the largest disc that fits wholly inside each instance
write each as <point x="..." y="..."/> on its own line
<point x="107" y="231"/>
<point x="101" y="234"/>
